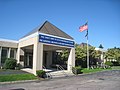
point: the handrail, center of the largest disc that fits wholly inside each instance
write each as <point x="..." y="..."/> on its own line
<point x="44" y="67"/>
<point x="62" y="69"/>
<point x="47" y="73"/>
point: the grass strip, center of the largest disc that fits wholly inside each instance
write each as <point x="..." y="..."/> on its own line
<point x="116" y="68"/>
<point x="85" y="70"/>
<point x="17" y="77"/>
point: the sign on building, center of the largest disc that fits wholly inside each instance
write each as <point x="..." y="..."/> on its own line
<point x="55" y="40"/>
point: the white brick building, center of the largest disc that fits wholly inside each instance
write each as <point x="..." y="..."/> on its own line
<point x="38" y="48"/>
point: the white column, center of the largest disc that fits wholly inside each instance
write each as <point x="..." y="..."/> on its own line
<point x="15" y="54"/>
<point x="104" y="59"/>
<point x="101" y="57"/>
<point x="28" y="60"/>
<point x="0" y="54"/>
<point x="71" y="60"/>
<point x="37" y="57"/>
<point x="18" y="55"/>
<point x="9" y="52"/>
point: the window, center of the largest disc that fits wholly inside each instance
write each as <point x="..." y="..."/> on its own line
<point x="12" y="53"/>
<point x="21" y="57"/>
<point x="4" y="54"/>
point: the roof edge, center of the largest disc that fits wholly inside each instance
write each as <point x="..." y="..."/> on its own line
<point x="34" y="30"/>
<point x="8" y="40"/>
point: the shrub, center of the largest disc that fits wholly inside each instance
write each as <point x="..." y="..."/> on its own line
<point x="40" y="73"/>
<point x="76" y="70"/>
<point x="10" y="63"/>
<point x="18" y="66"/>
<point x="115" y="63"/>
<point x="108" y="63"/>
<point x="81" y="62"/>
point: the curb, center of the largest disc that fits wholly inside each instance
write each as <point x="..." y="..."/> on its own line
<point x="23" y="81"/>
<point x="13" y="82"/>
<point x="91" y="73"/>
<point x="96" y="72"/>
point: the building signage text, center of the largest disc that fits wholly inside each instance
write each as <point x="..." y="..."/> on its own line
<point x="55" y="40"/>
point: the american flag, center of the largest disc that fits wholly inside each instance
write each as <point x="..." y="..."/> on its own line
<point x="83" y="27"/>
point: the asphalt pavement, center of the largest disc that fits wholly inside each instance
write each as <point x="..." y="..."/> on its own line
<point x="105" y="80"/>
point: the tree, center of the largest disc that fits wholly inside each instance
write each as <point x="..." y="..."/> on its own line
<point x="10" y="63"/>
<point x="81" y="55"/>
<point x="64" y="54"/>
<point x="113" y="53"/>
<point x="80" y="52"/>
<point x="62" y="57"/>
<point x="101" y="46"/>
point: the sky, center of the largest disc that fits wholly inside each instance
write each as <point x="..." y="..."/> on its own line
<point x="19" y="17"/>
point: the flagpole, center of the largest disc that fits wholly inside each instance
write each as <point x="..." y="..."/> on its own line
<point x="87" y="52"/>
<point x="82" y="28"/>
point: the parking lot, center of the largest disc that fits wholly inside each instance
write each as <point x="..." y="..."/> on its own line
<point x="105" y="80"/>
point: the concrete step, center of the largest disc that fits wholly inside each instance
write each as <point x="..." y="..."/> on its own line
<point x="60" y="73"/>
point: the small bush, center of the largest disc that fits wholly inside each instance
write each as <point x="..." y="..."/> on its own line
<point x="40" y="73"/>
<point x="76" y="70"/>
<point x="116" y="63"/>
<point x="10" y="63"/>
<point x="108" y="63"/>
<point x="18" y="66"/>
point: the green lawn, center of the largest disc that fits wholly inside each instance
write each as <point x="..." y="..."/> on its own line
<point x="85" y="70"/>
<point x="116" y="68"/>
<point x="17" y="77"/>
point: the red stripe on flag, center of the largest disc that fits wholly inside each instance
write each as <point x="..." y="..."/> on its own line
<point x="83" y="28"/>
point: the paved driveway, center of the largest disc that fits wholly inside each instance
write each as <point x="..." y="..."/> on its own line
<point x="106" y="80"/>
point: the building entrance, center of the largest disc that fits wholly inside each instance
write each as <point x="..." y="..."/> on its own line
<point x="45" y="58"/>
<point x="28" y="60"/>
<point x="52" y="58"/>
